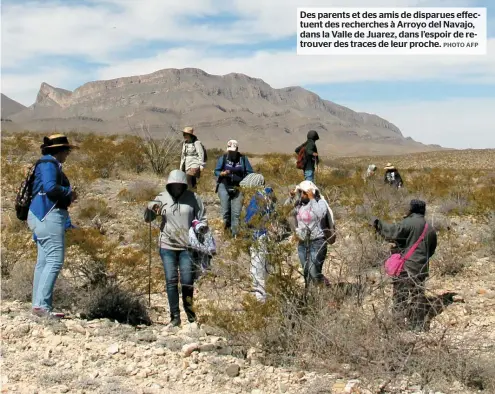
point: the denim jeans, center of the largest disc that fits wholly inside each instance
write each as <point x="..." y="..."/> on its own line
<point x="50" y="234"/>
<point x="231" y="208"/>
<point x="175" y="261"/>
<point x="309" y="175"/>
<point x="312" y="257"/>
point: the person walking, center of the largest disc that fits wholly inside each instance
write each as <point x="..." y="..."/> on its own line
<point x="311" y="158"/>
<point x="392" y="176"/>
<point x="48" y="219"/>
<point x="230" y="170"/>
<point x="192" y="160"/>
<point x="311" y="212"/>
<point x="179" y="208"/>
<point x="409" y="301"/>
<point x="259" y="213"/>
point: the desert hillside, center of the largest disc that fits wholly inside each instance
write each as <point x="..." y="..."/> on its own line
<point x="336" y="339"/>
<point x="237" y="106"/>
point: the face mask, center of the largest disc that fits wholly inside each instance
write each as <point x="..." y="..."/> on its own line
<point x="176" y="190"/>
<point x="304" y="200"/>
<point x="233" y="156"/>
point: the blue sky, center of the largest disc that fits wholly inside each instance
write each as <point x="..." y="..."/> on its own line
<point x="434" y="99"/>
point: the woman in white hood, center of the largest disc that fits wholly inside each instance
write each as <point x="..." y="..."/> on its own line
<point x="178" y="207"/>
<point x="311" y="212"/>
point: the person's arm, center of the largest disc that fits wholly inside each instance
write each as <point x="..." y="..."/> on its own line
<point x="310" y="148"/>
<point x="396" y="232"/>
<point x="49" y="178"/>
<point x="153" y="208"/>
<point x="201" y="153"/>
<point x="432" y="241"/>
<point x="201" y="211"/>
<point x="219" y="166"/>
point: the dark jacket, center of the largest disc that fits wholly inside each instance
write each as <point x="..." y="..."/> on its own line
<point x="310" y="145"/>
<point x="392" y="177"/>
<point x="405" y="234"/>
<point x="238" y="170"/>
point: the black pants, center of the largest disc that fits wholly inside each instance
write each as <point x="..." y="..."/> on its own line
<point x="409" y="301"/>
<point x="192" y="181"/>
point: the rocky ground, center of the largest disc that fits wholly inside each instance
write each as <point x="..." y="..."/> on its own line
<point x="100" y="356"/>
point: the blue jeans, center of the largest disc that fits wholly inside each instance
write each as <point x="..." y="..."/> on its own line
<point x="175" y="261"/>
<point x="312" y="257"/>
<point x="309" y="175"/>
<point x="231" y="208"/>
<point x="50" y="234"/>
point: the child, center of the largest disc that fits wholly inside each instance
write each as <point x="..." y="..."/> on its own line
<point x="203" y="246"/>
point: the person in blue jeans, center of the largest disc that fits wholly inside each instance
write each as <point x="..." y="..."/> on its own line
<point x="48" y="219"/>
<point x="230" y="170"/>
<point x="311" y="158"/>
<point x="310" y="213"/>
<point x="178" y="208"/>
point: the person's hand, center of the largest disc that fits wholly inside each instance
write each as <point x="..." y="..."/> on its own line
<point x="201" y="168"/>
<point x="315" y="154"/>
<point x="224" y="173"/>
<point x="73" y="196"/>
<point x="292" y="193"/>
<point x="310" y="194"/>
<point x="156" y="208"/>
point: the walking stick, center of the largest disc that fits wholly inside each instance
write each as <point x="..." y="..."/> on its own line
<point x="149" y="272"/>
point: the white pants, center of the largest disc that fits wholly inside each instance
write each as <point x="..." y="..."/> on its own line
<point x="259" y="267"/>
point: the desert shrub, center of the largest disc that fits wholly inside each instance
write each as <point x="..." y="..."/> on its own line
<point x="131" y="155"/>
<point x="19" y="284"/>
<point x="451" y="256"/>
<point x="161" y="154"/>
<point x="139" y="192"/>
<point x="94" y="207"/>
<point x="112" y="302"/>
<point x="17" y="245"/>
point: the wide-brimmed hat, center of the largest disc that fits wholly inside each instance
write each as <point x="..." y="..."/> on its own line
<point x="232" y="145"/>
<point x="389" y="166"/>
<point x="56" y="141"/>
<point x="188" y="130"/>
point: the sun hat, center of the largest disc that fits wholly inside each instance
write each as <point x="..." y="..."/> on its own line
<point x="253" y="180"/>
<point x="389" y="166"/>
<point x="232" y="145"/>
<point x="56" y="141"/>
<point x="188" y="130"/>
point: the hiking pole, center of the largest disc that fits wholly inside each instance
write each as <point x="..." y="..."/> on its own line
<point x="149" y="272"/>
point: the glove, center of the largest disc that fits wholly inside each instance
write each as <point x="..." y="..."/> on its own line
<point x="374" y="221"/>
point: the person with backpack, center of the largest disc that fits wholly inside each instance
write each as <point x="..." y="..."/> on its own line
<point x="259" y="214"/>
<point x="178" y="208"/>
<point x="230" y="170"/>
<point x="193" y="157"/>
<point x="392" y="176"/>
<point x="412" y="234"/>
<point x="307" y="156"/>
<point x="312" y="219"/>
<point x="48" y="218"/>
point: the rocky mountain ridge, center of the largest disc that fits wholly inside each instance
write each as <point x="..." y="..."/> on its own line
<point x="235" y="105"/>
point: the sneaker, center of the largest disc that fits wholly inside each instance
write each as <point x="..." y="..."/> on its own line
<point x="41" y="312"/>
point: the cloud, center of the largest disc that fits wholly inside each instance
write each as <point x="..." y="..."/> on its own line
<point x="459" y="123"/>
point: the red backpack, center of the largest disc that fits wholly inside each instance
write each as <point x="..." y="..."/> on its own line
<point x="301" y="156"/>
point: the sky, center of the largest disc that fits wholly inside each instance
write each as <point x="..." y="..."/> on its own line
<point x="445" y="100"/>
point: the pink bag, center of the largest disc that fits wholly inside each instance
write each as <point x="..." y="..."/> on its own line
<point x="395" y="263"/>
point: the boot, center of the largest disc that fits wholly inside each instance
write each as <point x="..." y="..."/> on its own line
<point x="187" y="300"/>
<point x="175" y="320"/>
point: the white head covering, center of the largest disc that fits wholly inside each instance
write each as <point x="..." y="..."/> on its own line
<point x="307" y="186"/>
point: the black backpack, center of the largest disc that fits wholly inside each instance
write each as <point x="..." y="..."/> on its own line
<point x="25" y="192"/>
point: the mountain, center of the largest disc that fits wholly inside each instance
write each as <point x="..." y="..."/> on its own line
<point x="232" y="106"/>
<point x="10" y="107"/>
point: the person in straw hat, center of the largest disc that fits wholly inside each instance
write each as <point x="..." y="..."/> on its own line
<point x="192" y="160"/>
<point x="48" y="219"/>
<point x="392" y="176"/>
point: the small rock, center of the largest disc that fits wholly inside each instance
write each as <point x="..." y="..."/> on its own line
<point x="113" y="349"/>
<point x="78" y="328"/>
<point x="233" y="370"/>
<point x="189" y="348"/>
<point x="160" y="352"/>
<point x="458" y="298"/>
<point x="48" y="363"/>
<point x="271" y="370"/>
<point x="207" y="347"/>
<point x="300" y="374"/>
<point x="282" y="387"/>
<point x="63" y="389"/>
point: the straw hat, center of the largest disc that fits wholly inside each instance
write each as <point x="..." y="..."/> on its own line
<point x="389" y="166"/>
<point x="188" y="130"/>
<point x="57" y="140"/>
